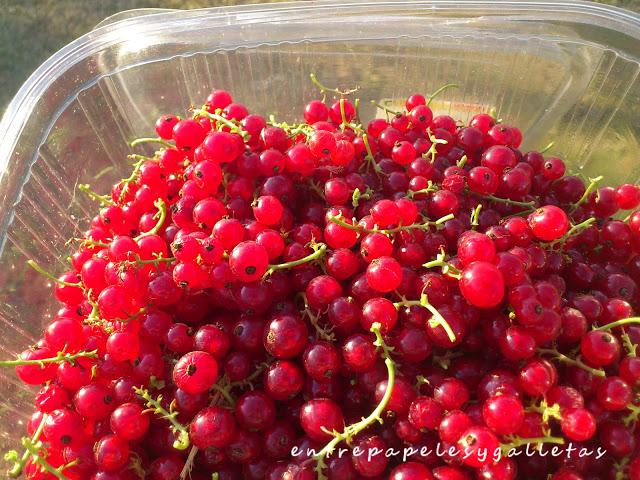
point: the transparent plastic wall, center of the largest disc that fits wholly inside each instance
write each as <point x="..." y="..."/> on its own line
<point x="562" y="71"/>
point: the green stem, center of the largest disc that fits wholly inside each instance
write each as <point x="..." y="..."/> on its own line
<point x="475" y="214"/>
<point x="632" y="417"/>
<point x="162" y="213"/>
<point x="376" y="415"/>
<point x="92" y="243"/>
<point x="322" y="333"/>
<point x="154" y="261"/>
<point x="508" y="201"/>
<point x="103" y="199"/>
<point x="234" y="127"/>
<point x="323" y="88"/>
<point x="436" y="319"/>
<point x="385" y="108"/>
<point x="439" y="320"/>
<point x="519" y="442"/>
<point x="547" y="148"/>
<point x="131" y="178"/>
<point x="248" y="381"/>
<point x="227" y="396"/>
<point x="59" y="358"/>
<point x="182" y="442"/>
<point x="318" y="251"/>
<point x="140" y="141"/>
<point x="433" y="149"/>
<point x="431" y="187"/>
<point x="389" y="231"/>
<point x="358" y="195"/>
<point x="462" y="162"/>
<point x="34" y="451"/>
<point x="619" y="323"/>
<point x="42" y="271"/>
<point x="447" y="268"/>
<point x="371" y="161"/>
<point x="593" y="182"/>
<point x="573" y="230"/>
<point x="632" y="348"/>
<point x="440" y="90"/>
<point x="18" y="466"/>
<point x="571" y="361"/>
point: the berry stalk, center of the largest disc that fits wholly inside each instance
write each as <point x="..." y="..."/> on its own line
<point x="143" y="140"/>
<point x="162" y="217"/>
<point x="59" y="358"/>
<point x="50" y="276"/>
<point x="182" y="442"/>
<point x="376" y="415"/>
<point x="318" y="252"/>
<point x="571" y="361"/>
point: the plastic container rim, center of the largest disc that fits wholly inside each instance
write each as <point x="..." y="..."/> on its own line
<point x="20" y="108"/>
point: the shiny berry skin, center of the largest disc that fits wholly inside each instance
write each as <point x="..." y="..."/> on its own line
<point x="322" y="360"/>
<point x="255" y="411"/>
<point x="195" y="372"/>
<point x="482" y="284"/>
<point x="578" y="424"/>
<point x="248" y="261"/>
<point x="402" y="396"/>
<point x="212" y="427"/>
<point x="503" y="414"/>
<point x="111" y="453"/>
<point x="453" y="425"/>
<point x="318" y="415"/>
<point x="498" y="158"/>
<point x="379" y="310"/>
<point x="425" y="413"/>
<point x="64" y="428"/>
<point x="315" y="111"/>
<point x="549" y="223"/>
<point x="94" y="401"/>
<point x="614" y="394"/>
<point x="322" y="290"/>
<point x="268" y="210"/>
<point x="475" y="246"/>
<point x="384" y="274"/>
<point x="517" y="344"/>
<point x="285" y="336"/>
<point x="375" y="245"/>
<point x="410" y="471"/>
<point x="129" y="421"/>
<point x="480" y="444"/>
<point x="452" y="394"/>
<point x="537" y="376"/>
<point x="628" y="196"/>
<point x="370" y="464"/>
<point x="600" y="348"/>
<point x="359" y="353"/>
<point x="164" y="126"/>
<point x="283" y="380"/>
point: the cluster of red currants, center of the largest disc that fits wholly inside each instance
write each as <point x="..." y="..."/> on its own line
<point x="414" y="299"/>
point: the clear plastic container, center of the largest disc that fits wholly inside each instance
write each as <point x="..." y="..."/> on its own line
<point x="563" y="71"/>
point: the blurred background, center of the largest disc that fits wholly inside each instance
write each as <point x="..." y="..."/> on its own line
<point x="32" y="30"/>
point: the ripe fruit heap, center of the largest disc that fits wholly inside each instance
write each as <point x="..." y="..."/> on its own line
<point x="413" y="299"/>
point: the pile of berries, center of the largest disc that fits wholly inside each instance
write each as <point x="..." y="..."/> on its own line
<point x="413" y="299"/>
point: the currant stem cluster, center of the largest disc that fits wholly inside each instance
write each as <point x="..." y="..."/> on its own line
<point x="375" y="416"/>
<point x="155" y="406"/>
